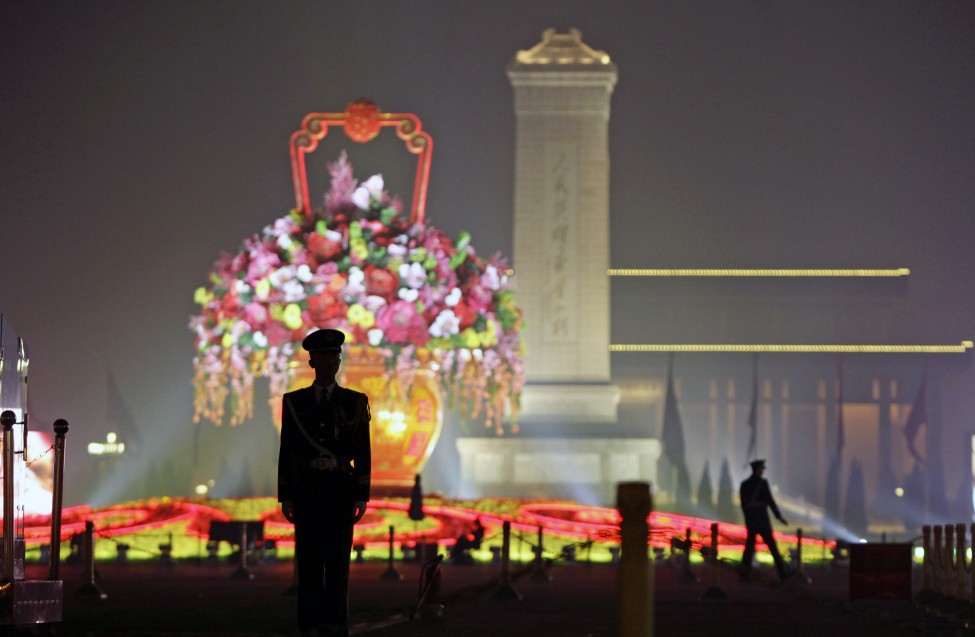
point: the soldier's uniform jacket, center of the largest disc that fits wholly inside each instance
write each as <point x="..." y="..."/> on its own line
<point x="319" y="440"/>
<point x="756" y="500"/>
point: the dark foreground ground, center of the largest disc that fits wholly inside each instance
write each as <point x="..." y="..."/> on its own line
<point x="581" y="600"/>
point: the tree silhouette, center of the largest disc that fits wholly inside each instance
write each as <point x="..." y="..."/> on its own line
<point x="727" y="511"/>
<point x="855" y="513"/>
<point x="705" y="494"/>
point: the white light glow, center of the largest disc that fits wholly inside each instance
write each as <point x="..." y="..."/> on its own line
<point x="393" y="421"/>
<point x="111" y="447"/>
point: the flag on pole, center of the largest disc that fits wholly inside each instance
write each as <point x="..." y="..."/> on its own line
<point x="673" y="430"/>
<point x="753" y="416"/>
<point x="918" y="418"/>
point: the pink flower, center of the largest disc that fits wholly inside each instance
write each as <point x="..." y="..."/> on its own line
<point x="256" y="314"/>
<point x="402" y="324"/>
<point x="277" y="334"/>
<point x="262" y="262"/>
<point x="476" y="295"/>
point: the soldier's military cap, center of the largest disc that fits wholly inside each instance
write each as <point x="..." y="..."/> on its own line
<point x="757" y="464"/>
<point x="326" y="340"/>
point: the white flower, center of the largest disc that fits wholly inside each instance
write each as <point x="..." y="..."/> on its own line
<point x="304" y="273"/>
<point x="333" y="235"/>
<point x="375" y="337"/>
<point x="293" y="291"/>
<point x="356" y="275"/>
<point x="408" y="294"/>
<point x="260" y="340"/>
<point x="446" y="324"/>
<point x="284" y="242"/>
<point x="367" y="192"/>
<point x="282" y="226"/>
<point x="374" y="185"/>
<point x="241" y="288"/>
<point x="453" y="298"/>
<point x="396" y="250"/>
<point x="282" y="275"/>
<point x="413" y="274"/>
<point x="355" y="286"/>
<point x="374" y="303"/>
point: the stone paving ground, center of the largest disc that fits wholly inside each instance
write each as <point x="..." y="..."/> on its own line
<point x="154" y="599"/>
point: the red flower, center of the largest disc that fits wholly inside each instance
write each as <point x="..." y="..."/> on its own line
<point x="323" y="249"/>
<point x="326" y="306"/>
<point x="381" y="282"/>
<point x="465" y="315"/>
<point x="230" y="304"/>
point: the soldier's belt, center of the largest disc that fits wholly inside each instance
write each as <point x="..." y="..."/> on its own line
<point x="328" y="464"/>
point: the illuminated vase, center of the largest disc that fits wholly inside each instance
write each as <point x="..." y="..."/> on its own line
<point x="406" y="422"/>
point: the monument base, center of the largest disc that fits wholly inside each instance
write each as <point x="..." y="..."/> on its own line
<point x="569" y="403"/>
<point x="585" y="470"/>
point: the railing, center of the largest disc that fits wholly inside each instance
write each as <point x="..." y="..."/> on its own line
<point x="947" y="576"/>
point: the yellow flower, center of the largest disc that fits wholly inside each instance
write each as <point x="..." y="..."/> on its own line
<point x="292" y="316"/>
<point x="262" y="289"/>
<point x="228" y="340"/>
<point x="359" y="315"/>
<point x="489" y="337"/>
<point x="202" y="296"/>
<point x="470" y="338"/>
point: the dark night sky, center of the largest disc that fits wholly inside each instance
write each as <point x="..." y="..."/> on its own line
<point x="141" y="139"/>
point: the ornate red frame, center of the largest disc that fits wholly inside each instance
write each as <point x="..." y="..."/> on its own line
<point x="362" y="121"/>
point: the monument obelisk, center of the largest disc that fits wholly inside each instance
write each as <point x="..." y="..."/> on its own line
<point x="570" y="444"/>
<point x="562" y="90"/>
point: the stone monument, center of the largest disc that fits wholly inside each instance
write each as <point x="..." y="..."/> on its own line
<point x="569" y="445"/>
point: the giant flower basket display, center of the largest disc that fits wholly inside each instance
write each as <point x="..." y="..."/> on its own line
<point x="425" y="318"/>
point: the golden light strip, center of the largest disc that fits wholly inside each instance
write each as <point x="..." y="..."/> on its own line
<point x="798" y="348"/>
<point x="738" y="272"/>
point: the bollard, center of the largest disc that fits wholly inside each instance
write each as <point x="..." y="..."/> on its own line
<point x="242" y="572"/>
<point x="391" y="573"/>
<point x="8" y="419"/>
<point x="971" y="571"/>
<point x="961" y="584"/>
<point x="714" y="592"/>
<point x="636" y="577"/>
<point x="506" y="589"/>
<point x="89" y="588"/>
<point x="936" y="562"/>
<point x="539" y="574"/>
<point x="926" y="564"/>
<point x="800" y="574"/>
<point x="948" y="563"/>
<point x="60" y="431"/>
<point x="688" y="575"/>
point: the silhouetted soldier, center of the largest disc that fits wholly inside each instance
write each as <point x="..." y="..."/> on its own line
<point x="323" y="483"/>
<point x="756" y="500"/>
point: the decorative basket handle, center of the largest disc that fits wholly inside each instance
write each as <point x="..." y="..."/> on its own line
<point x="362" y="120"/>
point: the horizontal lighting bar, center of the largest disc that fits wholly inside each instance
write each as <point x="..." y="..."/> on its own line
<point x="758" y="273"/>
<point x="800" y="348"/>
